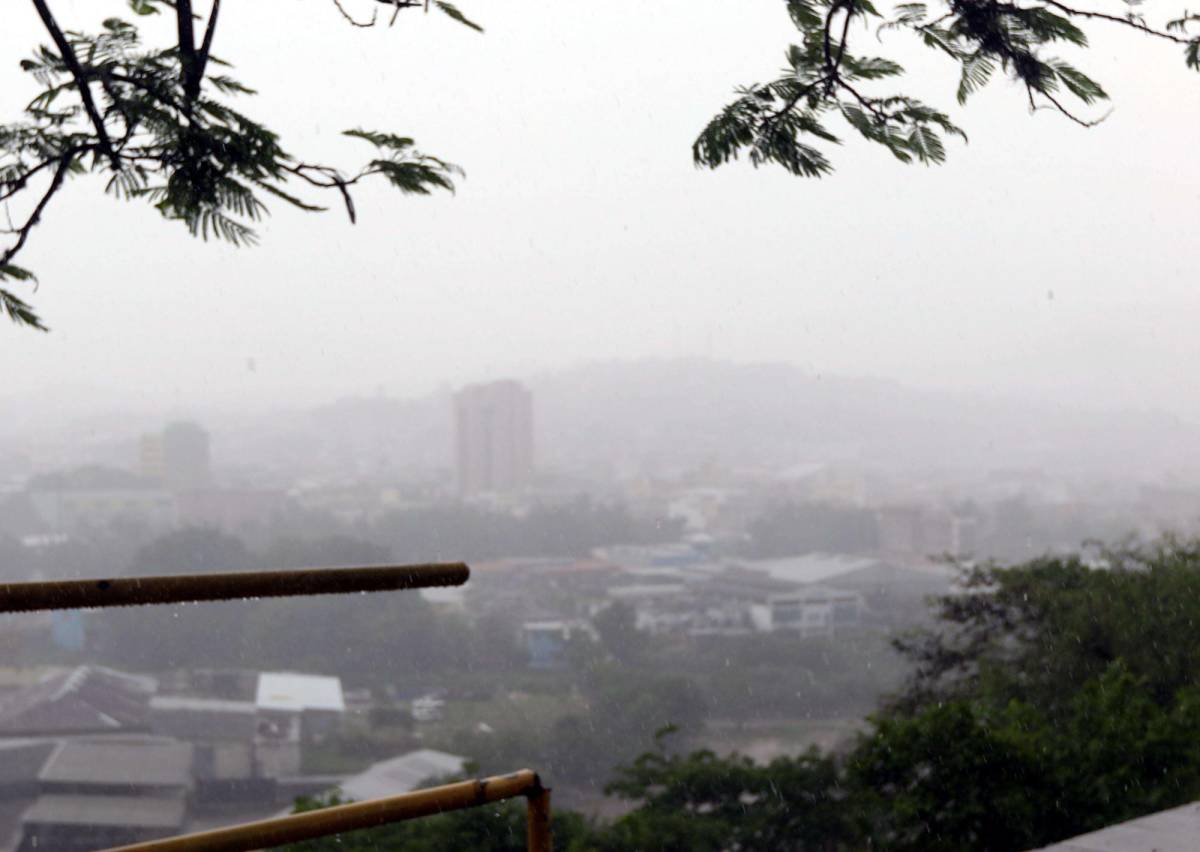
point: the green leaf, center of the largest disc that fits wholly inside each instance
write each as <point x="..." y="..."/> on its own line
<point x="976" y="71"/>
<point x="415" y="177"/>
<point x="871" y="67"/>
<point x="1045" y="25"/>
<point x="452" y="11"/>
<point x="924" y="142"/>
<point x="16" y="273"/>
<point x="803" y="15"/>
<point x="16" y="308"/>
<point x="229" y="85"/>
<point x="939" y="38"/>
<point x="1079" y="84"/>
<point x="381" y="140"/>
<point x="910" y="12"/>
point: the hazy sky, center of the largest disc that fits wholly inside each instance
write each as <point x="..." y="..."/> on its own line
<point x="1041" y="259"/>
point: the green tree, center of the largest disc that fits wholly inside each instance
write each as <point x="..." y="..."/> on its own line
<point x="1051" y="699"/>
<point x="158" y="126"/>
<point x="704" y="802"/>
<point x="165" y="637"/>
<point x="948" y="779"/>
<point x="824" y="77"/>
<point x="358" y="635"/>
<point x="192" y="550"/>
<point x="1040" y="631"/>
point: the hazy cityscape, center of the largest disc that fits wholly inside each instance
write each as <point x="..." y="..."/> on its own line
<point x="659" y="427"/>
<point x="733" y="544"/>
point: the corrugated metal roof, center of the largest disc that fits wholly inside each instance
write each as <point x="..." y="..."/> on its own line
<point x="22" y="760"/>
<point x="297" y="692"/>
<point x="147" y="762"/>
<point x="86" y="699"/>
<point x="1176" y="830"/>
<point x="401" y="774"/>
<point x="83" y="810"/>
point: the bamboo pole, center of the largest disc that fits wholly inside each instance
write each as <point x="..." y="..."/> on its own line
<point x="342" y="818"/>
<point x="187" y="588"/>
<point x="537" y="825"/>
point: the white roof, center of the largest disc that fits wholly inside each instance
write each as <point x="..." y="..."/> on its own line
<point x="401" y="774"/>
<point x="209" y="705"/>
<point x="298" y="692"/>
<point x="812" y="567"/>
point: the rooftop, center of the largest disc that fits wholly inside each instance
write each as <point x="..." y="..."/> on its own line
<point x="209" y="705"/>
<point x="812" y="567"/>
<point x="140" y="762"/>
<point x="292" y="692"/>
<point x="401" y="774"/>
<point x="85" y="699"/>
<point x="140" y="811"/>
<point x="22" y="760"/>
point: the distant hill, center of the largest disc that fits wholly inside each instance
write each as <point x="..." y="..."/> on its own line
<point x="647" y="416"/>
<point x="663" y="415"/>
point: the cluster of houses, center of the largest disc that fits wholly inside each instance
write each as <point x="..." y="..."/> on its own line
<point x="93" y="758"/>
<point x="680" y="589"/>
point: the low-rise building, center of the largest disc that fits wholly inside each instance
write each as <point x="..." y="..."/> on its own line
<point x="222" y="732"/>
<point x="294" y="709"/>
<point x="66" y="823"/>
<point x="108" y="791"/>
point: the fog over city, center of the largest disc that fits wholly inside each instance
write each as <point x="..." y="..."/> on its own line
<point x="833" y="513"/>
<point x="1040" y="260"/>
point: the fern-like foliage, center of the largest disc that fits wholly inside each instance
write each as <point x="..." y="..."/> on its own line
<point x="159" y="124"/>
<point x="783" y="121"/>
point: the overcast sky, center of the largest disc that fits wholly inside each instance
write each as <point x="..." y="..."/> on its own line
<point x="1042" y="259"/>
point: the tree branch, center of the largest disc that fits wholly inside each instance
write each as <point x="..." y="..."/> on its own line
<point x="64" y="165"/>
<point x="353" y="22"/>
<point x="187" y="52"/>
<point x="401" y="4"/>
<point x="206" y="46"/>
<point x="17" y="184"/>
<point x="1117" y="19"/>
<point x="335" y="180"/>
<point x="837" y="63"/>
<point x="1058" y="106"/>
<point x="81" y="81"/>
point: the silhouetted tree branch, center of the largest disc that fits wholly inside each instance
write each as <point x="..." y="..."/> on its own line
<point x="158" y="125"/>
<point x="772" y="122"/>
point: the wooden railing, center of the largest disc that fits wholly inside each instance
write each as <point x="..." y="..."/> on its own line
<point x="187" y="588"/>
<point x="372" y="814"/>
